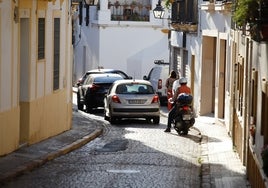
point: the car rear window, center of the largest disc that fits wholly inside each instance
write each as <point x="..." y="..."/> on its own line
<point x="106" y="79"/>
<point x="134" y="89"/>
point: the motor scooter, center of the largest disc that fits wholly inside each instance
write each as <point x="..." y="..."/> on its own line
<point x="184" y="118"/>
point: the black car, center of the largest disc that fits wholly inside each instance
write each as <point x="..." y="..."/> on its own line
<point x="100" y="71"/>
<point x="93" y="90"/>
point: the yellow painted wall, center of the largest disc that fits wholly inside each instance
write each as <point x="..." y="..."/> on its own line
<point x="25" y="4"/>
<point x="45" y="117"/>
<point x="34" y="119"/>
<point x="9" y="130"/>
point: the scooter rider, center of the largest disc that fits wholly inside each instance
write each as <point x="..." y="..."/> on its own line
<point x="182" y="89"/>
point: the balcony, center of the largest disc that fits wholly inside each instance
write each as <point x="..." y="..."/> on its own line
<point x="224" y="8"/>
<point x="134" y="11"/>
<point x="184" y="16"/>
<point x="217" y="5"/>
<point x="208" y="6"/>
<point x="185" y="27"/>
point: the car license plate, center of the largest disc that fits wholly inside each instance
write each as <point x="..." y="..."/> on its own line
<point x="186" y="117"/>
<point x="136" y="101"/>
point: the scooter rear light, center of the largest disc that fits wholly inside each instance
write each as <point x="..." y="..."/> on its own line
<point x="155" y="99"/>
<point x="116" y="99"/>
<point x="159" y="86"/>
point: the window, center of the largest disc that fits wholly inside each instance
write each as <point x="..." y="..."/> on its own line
<point x="41" y="38"/>
<point x="254" y="86"/>
<point x="264" y="111"/>
<point x="56" y="75"/>
<point x="185" y="11"/>
<point x="240" y="84"/>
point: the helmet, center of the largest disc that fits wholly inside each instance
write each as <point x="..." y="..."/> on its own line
<point x="183" y="80"/>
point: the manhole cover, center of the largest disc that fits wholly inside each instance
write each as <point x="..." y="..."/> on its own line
<point x="114" y="146"/>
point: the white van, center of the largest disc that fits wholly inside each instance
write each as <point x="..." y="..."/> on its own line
<point x="158" y="76"/>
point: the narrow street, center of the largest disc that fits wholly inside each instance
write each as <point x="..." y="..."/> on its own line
<point x="130" y="154"/>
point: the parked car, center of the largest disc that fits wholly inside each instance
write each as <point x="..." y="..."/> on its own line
<point x="131" y="99"/>
<point x="158" y="76"/>
<point x="100" y="71"/>
<point x="92" y="92"/>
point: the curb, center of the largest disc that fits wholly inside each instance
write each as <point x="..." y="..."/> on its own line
<point x="50" y="156"/>
<point x="205" y="176"/>
<point x="205" y="166"/>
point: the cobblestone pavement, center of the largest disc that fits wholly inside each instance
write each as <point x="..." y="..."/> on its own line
<point x="130" y="154"/>
<point x="220" y="167"/>
<point x="30" y="157"/>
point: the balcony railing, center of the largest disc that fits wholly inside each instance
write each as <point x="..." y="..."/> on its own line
<point x="223" y="6"/>
<point x="129" y="12"/>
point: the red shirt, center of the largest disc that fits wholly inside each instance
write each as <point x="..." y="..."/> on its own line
<point x="181" y="89"/>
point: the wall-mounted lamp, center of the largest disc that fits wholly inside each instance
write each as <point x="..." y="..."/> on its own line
<point x="159" y="11"/>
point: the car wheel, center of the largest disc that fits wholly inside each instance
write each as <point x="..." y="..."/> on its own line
<point x="80" y="106"/>
<point x="89" y="109"/>
<point x="156" y="120"/>
<point x="105" y="116"/>
<point x="148" y="120"/>
<point x="185" y="132"/>
<point x="112" y="120"/>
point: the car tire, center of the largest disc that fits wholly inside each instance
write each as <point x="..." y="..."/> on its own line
<point x="112" y="120"/>
<point x="89" y="109"/>
<point x="148" y="120"/>
<point x="80" y="106"/>
<point x="105" y="117"/>
<point x="156" y="120"/>
<point x="185" y="132"/>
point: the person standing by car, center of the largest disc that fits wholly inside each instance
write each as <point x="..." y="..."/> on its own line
<point x="183" y="88"/>
<point x="169" y="83"/>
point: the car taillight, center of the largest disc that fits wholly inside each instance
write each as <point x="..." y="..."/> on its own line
<point x="116" y="99"/>
<point x="185" y="108"/>
<point x="160" y="84"/>
<point x="155" y="99"/>
<point x="94" y="87"/>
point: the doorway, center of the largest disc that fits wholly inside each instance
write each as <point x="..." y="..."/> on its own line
<point x="221" y="81"/>
<point x="208" y="69"/>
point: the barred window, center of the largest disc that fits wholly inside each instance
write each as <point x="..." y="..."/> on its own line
<point x="264" y="111"/>
<point x="254" y="86"/>
<point x="56" y="75"/>
<point x="185" y="12"/>
<point x="239" y="80"/>
<point x="41" y="38"/>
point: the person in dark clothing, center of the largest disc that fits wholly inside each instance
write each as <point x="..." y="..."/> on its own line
<point x="169" y="83"/>
<point x="183" y="88"/>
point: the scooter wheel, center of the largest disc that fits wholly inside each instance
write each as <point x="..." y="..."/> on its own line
<point x="185" y="132"/>
<point x="177" y="130"/>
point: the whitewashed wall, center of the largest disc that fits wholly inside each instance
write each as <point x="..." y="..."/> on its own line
<point x="129" y="46"/>
<point x="215" y="24"/>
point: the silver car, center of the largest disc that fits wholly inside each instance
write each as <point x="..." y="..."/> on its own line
<point x="131" y="99"/>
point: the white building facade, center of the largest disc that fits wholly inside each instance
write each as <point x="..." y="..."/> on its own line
<point x="123" y="36"/>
